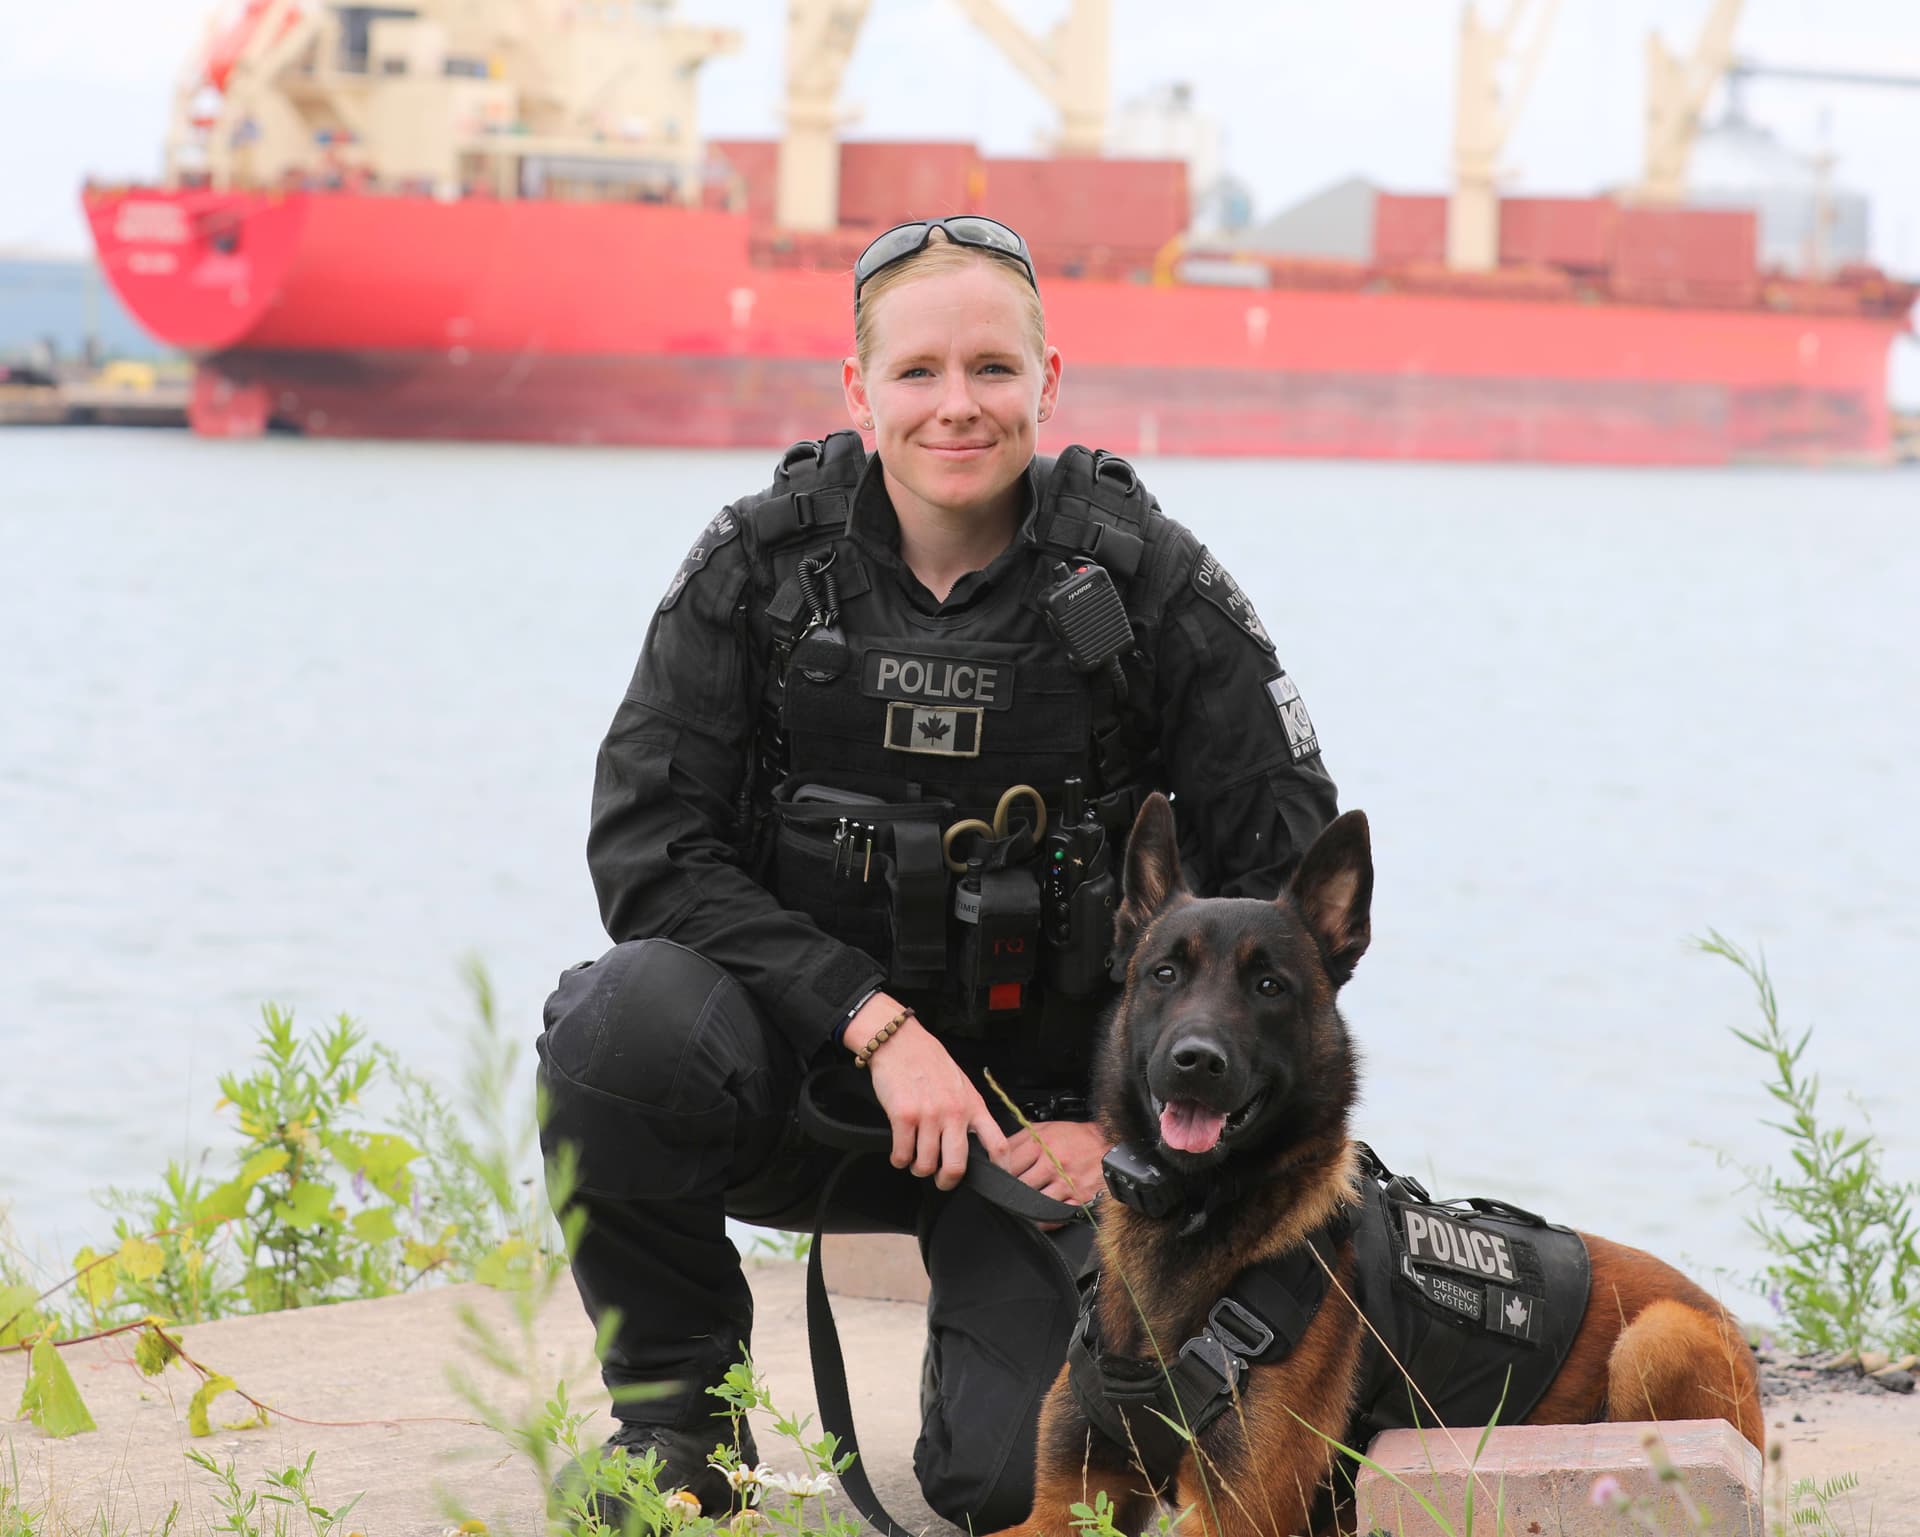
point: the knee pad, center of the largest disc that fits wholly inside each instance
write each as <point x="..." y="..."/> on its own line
<point x="641" y="1065"/>
<point x="634" y="1024"/>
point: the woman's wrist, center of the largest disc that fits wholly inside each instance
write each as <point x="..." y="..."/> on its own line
<point x="875" y="1022"/>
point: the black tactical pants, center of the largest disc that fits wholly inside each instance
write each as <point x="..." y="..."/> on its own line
<point x="678" y="1098"/>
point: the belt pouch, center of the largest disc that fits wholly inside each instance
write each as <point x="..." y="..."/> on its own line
<point x="998" y="952"/>
<point x="845" y="883"/>
<point x="918" y="882"/>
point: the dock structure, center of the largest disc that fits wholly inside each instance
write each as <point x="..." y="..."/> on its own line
<point x="92" y="404"/>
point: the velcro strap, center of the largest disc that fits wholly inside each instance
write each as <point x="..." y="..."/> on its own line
<point x="1077" y="527"/>
<point x="1285" y="1296"/>
<point x="781" y="519"/>
<point x="919" y="892"/>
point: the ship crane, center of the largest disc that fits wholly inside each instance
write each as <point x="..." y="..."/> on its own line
<point x="1677" y="92"/>
<point x="1069" y="68"/>
<point x="820" y="39"/>
<point x="1740" y="71"/>
<point x="1484" y="116"/>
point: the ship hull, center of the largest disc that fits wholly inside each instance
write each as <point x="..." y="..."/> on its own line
<point x="749" y="402"/>
<point x="590" y="323"/>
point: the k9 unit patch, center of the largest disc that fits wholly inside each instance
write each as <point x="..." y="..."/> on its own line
<point x="1292" y="710"/>
<point x="724" y="527"/>
<point x="953" y="733"/>
<point x="1213" y="582"/>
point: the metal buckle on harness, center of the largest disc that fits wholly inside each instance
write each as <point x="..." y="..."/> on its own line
<point x="1240" y="1329"/>
<point x="1232" y="1334"/>
<point x="1217" y="1359"/>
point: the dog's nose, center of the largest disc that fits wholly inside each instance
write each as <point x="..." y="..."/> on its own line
<point x="1196" y="1057"/>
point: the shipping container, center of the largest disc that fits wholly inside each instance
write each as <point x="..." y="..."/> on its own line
<point x="1409" y="229"/>
<point x="1571" y="232"/>
<point x="1684" y="248"/>
<point x="887" y="184"/>
<point x="1128" y="208"/>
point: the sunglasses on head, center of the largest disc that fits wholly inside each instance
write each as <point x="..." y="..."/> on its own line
<point x="965" y="229"/>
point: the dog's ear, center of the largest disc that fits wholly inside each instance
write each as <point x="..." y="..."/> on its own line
<point x="1152" y="876"/>
<point x="1333" y="890"/>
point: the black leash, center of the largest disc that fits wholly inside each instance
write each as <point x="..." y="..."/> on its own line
<point x="831" y="1103"/>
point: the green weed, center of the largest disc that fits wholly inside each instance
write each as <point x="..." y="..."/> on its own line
<point x="282" y="1505"/>
<point x="1845" y="1271"/>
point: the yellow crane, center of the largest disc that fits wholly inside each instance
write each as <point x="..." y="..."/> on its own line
<point x="1484" y="115"/>
<point x="1677" y="91"/>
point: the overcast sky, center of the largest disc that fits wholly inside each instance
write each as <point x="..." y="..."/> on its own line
<point x="1307" y="90"/>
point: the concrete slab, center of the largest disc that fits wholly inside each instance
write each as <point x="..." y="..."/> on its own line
<point x="369" y="1383"/>
<point x="886" y="1266"/>
<point x="1542" y="1479"/>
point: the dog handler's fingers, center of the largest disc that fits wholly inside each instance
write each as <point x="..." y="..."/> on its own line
<point x="953" y="1157"/>
<point x="905" y="1136"/>
<point x="993" y="1141"/>
<point x="1022" y="1153"/>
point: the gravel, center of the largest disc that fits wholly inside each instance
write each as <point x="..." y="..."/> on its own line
<point x="1785" y="1375"/>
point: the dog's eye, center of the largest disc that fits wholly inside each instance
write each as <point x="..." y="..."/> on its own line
<point x="1269" y="987"/>
<point x="1163" y="973"/>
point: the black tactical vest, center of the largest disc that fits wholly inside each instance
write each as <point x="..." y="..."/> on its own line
<point x="1479" y="1299"/>
<point x="884" y="726"/>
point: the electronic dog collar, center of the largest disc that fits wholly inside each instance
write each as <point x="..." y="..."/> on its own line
<point x="1136" y="1180"/>
<point x="1155" y="1191"/>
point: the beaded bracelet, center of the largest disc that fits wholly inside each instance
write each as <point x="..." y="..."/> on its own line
<point x="881" y="1037"/>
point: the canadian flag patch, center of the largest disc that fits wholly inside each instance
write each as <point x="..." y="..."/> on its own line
<point x="913" y="728"/>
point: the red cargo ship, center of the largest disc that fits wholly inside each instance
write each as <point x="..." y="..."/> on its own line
<point x="564" y="306"/>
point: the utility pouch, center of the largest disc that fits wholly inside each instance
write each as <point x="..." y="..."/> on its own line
<point x="997" y="942"/>
<point x="861" y="858"/>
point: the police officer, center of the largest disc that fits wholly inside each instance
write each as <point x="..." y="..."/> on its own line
<point x="863" y="801"/>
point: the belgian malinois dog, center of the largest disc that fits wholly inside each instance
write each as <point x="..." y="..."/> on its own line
<point x="1227" y="1059"/>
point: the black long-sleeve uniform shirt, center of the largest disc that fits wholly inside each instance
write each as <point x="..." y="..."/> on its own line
<point x="1236" y="747"/>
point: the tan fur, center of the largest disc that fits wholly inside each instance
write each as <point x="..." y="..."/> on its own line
<point x="1653" y="1346"/>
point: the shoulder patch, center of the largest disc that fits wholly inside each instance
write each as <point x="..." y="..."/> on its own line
<point x="1214" y="583"/>
<point x="1292" y="710"/>
<point x="725" y="526"/>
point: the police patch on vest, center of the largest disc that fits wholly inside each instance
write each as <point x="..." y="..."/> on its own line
<point x="1217" y="586"/>
<point x="937" y="680"/>
<point x="955" y="733"/>
<point x="1292" y="710"/>
<point x="725" y="526"/>
<point x="1434" y="1238"/>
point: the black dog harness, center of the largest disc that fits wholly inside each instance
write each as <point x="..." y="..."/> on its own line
<point x="1477" y="1299"/>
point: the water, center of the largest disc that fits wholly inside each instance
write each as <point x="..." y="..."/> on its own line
<point x="310" y="722"/>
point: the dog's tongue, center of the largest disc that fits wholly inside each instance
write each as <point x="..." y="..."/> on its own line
<point x="1188" y="1127"/>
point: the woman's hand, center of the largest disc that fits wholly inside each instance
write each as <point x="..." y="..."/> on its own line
<point x="929" y="1102"/>
<point x="1072" y="1172"/>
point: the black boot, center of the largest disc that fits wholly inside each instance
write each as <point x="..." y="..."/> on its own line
<point x="682" y="1456"/>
